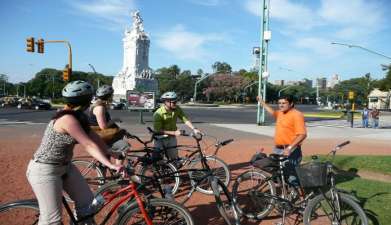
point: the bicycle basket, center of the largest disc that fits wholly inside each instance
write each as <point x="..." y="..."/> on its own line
<point x="313" y="174"/>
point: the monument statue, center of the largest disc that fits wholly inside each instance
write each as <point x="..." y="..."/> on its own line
<point x="135" y="73"/>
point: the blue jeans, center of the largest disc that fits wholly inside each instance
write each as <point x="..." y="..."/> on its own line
<point x="294" y="160"/>
<point x="375" y="123"/>
<point x="365" y="122"/>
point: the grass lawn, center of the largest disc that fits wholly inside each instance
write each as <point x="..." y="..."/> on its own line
<point x="330" y="114"/>
<point x="374" y="196"/>
<point x="379" y="164"/>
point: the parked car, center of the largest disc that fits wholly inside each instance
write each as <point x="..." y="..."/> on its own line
<point x="117" y="105"/>
<point x="34" y="104"/>
<point x="8" y="101"/>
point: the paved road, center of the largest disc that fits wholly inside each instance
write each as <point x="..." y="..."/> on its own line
<point x="231" y="115"/>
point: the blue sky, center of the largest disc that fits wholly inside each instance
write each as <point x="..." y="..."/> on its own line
<point x="195" y="33"/>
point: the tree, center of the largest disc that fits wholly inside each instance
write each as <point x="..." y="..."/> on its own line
<point x="221" y="67"/>
<point x="200" y="72"/>
<point x="224" y="87"/>
<point x="385" y="83"/>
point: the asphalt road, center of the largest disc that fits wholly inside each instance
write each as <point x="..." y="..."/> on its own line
<point x="239" y="115"/>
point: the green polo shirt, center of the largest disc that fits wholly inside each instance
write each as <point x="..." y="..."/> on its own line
<point x="165" y="120"/>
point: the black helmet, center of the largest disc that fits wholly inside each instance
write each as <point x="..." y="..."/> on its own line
<point x="104" y="91"/>
<point x="78" y="92"/>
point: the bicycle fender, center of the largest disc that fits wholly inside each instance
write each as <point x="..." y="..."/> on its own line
<point x="32" y="202"/>
<point x="348" y="195"/>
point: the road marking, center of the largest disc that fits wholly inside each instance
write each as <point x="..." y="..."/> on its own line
<point x="12" y="122"/>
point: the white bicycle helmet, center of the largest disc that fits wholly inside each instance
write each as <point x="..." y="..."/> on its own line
<point x="169" y="96"/>
<point x="78" y="92"/>
<point x="104" y="91"/>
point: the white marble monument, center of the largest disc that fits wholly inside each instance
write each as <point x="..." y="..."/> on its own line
<point x="135" y="73"/>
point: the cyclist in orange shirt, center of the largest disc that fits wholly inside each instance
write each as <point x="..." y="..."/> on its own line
<point x="290" y="132"/>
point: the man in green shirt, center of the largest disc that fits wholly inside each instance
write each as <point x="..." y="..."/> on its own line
<point x="164" y="121"/>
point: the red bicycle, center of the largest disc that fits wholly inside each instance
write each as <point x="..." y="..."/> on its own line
<point x="130" y="206"/>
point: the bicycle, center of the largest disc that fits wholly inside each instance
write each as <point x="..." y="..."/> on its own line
<point x="95" y="172"/>
<point x="132" y="208"/>
<point x="192" y="161"/>
<point x="317" y="185"/>
<point x="206" y="176"/>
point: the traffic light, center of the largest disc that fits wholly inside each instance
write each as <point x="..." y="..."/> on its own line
<point x="351" y="95"/>
<point x="66" y="73"/>
<point x="40" y="44"/>
<point x="30" y="44"/>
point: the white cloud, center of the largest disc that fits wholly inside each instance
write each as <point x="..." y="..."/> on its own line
<point x="106" y="12"/>
<point x="187" y="45"/>
<point x="294" y="15"/>
<point x="317" y="45"/>
<point x="206" y="2"/>
<point x="354" y="18"/>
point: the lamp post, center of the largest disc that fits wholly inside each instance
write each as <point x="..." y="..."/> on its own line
<point x="93" y="69"/>
<point x="263" y="73"/>
<point x="195" y="86"/>
<point x="365" y="49"/>
<point x="24" y="90"/>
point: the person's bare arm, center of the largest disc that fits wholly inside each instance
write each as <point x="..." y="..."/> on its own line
<point x="269" y="109"/>
<point x="99" y="112"/>
<point x="190" y="125"/>
<point x="71" y="126"/>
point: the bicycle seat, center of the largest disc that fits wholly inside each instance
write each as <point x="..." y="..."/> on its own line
<point x="278" y="157"/>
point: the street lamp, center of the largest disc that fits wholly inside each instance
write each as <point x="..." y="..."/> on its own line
<point x="93" y="69"/>
<point x="196" y="83"/>
<point x="24" y="90"/>
<point x="357" y="46"/>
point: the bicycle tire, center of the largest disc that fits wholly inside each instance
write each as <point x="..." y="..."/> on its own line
<point x="224" y="174"/>
<point x="312" y="211"/>
<point x="155" y="213"/>
<point x="246" y="202"/>
<point x="224" y="202"/>
<point x="171" y="170"/>
<point x="91" y="172"/>
<point x="20" y="212"/>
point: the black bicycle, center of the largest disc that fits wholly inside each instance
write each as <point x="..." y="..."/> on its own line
<point x="205" y="176"/>
<point x="317" y="201"/>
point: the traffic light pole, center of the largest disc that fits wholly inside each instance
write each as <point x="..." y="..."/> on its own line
<point x="69" y="50"/>
<point x="262" y="80"/>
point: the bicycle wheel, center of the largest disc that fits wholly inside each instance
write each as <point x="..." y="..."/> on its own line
<point x="168" y="171"/>
<point x="218" y="166"/>
<point x="247" y="195"/>
<point x="160" y="211"/>
<point x="224" y="202"/>
<point x="91" y="172"/>
<point x="20" y="212"/>
<point x="336" y="208"/>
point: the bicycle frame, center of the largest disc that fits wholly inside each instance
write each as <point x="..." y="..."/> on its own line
<point x="131" y="192"/>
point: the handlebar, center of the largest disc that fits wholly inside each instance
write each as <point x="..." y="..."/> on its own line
<point x="342" y="144"/>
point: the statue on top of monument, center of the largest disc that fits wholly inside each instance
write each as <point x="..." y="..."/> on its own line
<point x="137" y="21"/>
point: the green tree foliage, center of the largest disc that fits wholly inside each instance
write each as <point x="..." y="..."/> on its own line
<point x="361" y="87"/>
<point x="385" y="83"/>
<point x="221" y="67"/>
<point x="172" y="79"/>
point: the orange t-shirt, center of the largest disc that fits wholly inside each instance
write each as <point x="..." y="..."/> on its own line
<point x="288" y="126"/>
